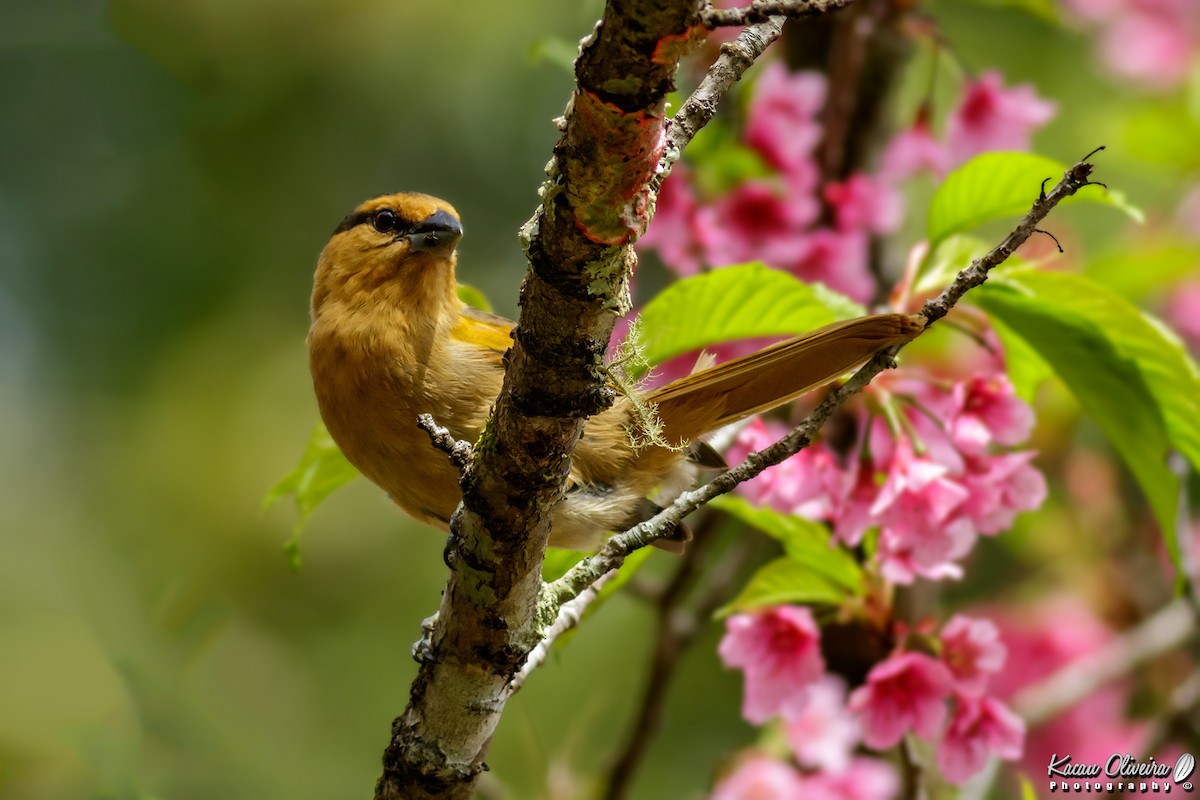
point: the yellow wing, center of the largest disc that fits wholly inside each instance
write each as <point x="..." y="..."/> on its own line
<point x="483" y="329"/>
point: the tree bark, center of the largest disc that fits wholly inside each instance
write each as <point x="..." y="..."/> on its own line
<point x="594" y="206"/>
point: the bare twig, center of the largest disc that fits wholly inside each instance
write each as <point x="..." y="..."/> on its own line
<point x="460" y="452"/>
<point x="613" y="554"/>
<point x="568" y="617"/>
<point x="701" y="106"/>
<point x="1165" y="630"/>
<point x="761" y="10"/>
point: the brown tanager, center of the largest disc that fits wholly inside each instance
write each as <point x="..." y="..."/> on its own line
<point x="391" y="339"/>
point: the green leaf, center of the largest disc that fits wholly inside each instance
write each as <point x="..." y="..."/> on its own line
<point x="741" y="302"/>
<point x="1026" y="369"/>
<point x="322" y="471"/>
<point x="473" y="297"/>
<point x="785" y="580"/>
<point x="997" y="185"/>
<point x="1138" y="272"/>
<point x="804" y="541"/>
<point x="942" y="265"/>
<point x="1129" y="373"/>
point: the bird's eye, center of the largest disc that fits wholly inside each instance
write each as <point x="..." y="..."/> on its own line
<point x="385" y="221"/>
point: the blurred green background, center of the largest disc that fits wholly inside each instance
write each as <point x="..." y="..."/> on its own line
<point x="169" y="173"/>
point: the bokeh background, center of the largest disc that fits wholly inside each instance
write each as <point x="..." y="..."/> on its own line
<point x="169" y="172"/>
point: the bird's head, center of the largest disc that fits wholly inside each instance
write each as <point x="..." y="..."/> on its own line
<point x="396" y="249"/>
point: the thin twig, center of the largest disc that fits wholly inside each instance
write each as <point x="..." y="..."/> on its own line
<point x="760" y="10"/>
<point x="613" y="554"/>
<point x="568" y="617"/>
<point x="701" y="106"/>
<point x="1168" y="628"/>
<point x="458" y="450"/>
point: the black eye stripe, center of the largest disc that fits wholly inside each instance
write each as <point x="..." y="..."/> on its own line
<point x="357" y="218"/>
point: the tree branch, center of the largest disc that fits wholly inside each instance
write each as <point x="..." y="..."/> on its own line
<point x="578" y="245"/>
<point x="760" y="10"/>
<point x="613" y="554"/>
<point x="568" y="618"/>
<point x="701" y="106"/>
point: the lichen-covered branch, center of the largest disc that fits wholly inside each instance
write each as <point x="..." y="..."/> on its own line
<point x="594" y="205"/>
<point x="760" y="10"/>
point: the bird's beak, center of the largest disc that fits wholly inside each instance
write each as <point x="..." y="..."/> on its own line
<point x="437" y="234"/>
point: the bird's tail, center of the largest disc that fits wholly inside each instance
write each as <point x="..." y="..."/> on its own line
<point x="710" y="398"/>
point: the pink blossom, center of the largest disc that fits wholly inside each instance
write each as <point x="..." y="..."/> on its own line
<point x="861" y="203"/>
<point x="991" y="117"/>
<point x="907" y="691"/>
<point x="837" y="259"/>
<point x="920" y="533"/>
<point x="981" y="727"/>
<point x="804" y="484"/>
<point x="673" y="231"/>
<point x="852" y="515"/>
<point x="999" y="487"/>
<point x="781" y="120"/>
<point x="913" y="150"/>
<point x="757" y="221"/>
<point x="760" y="777"/>
<point x="1153" y="49"/>
<point x="823" y="734"/>
<point x="862" y="779"/>
<point x="916" y="551"/>
<point x="972" y="650"/>
<point x="778" y="648"/>
<point x="1182" y="311"/>
<point x="988" y="409"/>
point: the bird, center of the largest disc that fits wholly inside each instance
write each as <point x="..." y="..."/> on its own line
<point x="390" y="340"/>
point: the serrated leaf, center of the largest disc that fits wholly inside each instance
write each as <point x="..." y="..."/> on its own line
<point x="803" y="540"/>
<point x="740" y="302"/>
<point x="785" y="580"/>
<point x="322" y="470"/>
<point x="1130" y="374"/>
<point x="998" y="185"/>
